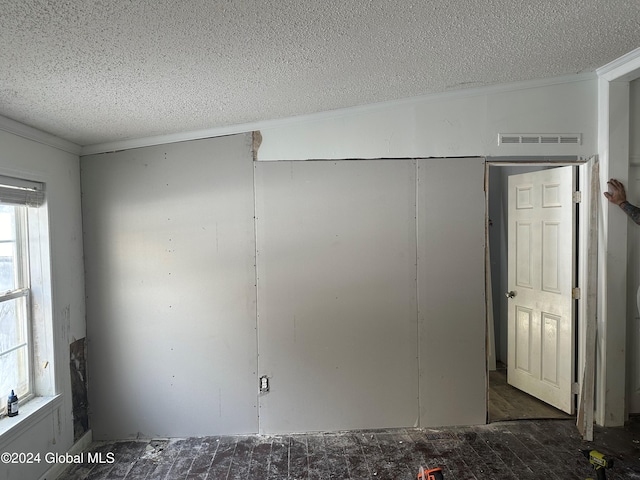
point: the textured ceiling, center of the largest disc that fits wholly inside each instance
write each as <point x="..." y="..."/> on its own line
<point x="94" y="71"/>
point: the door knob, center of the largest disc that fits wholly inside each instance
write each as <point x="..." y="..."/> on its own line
<point x="510" y="294"/>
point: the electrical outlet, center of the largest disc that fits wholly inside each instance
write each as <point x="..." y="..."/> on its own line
<point x="264" y="384"/>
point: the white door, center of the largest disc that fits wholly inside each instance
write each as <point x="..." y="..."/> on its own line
<point x="541" y="346"/>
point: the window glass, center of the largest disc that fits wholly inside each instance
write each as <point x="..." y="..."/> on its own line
<point x="12" y="331"/>
<point x="14" y="374"/>
<point x="8" y="250"/>
<point x="15" y="323"/>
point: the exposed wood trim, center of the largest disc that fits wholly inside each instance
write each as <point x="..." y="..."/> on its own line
<point x="585" y="414"/>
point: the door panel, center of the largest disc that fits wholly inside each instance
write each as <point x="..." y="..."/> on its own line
<point x="541" y="261"/>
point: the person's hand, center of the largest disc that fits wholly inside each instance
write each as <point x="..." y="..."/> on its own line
<point x="616" y="193"/>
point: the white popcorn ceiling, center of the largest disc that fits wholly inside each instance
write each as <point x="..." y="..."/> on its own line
<point x="94" y="71"/>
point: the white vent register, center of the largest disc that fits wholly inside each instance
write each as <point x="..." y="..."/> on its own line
<point x="539" y="138"/>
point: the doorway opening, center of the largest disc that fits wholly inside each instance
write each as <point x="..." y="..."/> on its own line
<point x="505" y="401"/>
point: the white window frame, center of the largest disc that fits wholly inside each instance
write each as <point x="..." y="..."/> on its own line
<point x="33" y="252"/>
<point x="22" y="290"/>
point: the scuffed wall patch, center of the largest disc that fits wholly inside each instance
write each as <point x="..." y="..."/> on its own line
<point x="78" y="368"/>
<point x="257" y="141"/>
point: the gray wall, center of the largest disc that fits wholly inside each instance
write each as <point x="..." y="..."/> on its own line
<point x="451" y="291"/>
<point x="170" y="253"/>
<point x="364" y="318"/>
<point x="498" y="250"/>
<point x="337" y="294"/>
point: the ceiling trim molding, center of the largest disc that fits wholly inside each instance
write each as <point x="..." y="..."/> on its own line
<point x="331" y="114"/>
<point x="25" y="131"/>
<point x="624" y="68"/>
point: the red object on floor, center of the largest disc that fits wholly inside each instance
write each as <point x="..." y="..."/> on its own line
<point x="433" y="474"/>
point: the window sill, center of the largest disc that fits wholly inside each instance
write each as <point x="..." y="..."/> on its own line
<point x="28" y="415"/>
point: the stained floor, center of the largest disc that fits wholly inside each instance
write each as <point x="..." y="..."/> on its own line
<point x="528" y="449"/>
<point x="509" y="403"/>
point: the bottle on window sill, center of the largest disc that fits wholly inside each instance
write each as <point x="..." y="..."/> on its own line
<point x="12" y="405"/>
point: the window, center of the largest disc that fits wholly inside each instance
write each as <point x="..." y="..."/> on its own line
<point x="19" y="204"/>
<point x="15" y="325"/>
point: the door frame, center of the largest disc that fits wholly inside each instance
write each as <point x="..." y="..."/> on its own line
<point x="582" y="233"/>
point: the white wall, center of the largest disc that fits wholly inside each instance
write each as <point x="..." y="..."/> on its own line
<point x="60" y="171"/>
<point x="171" y="302"/>
<point x="456" y="124"/>
<point x="634" y="121"/>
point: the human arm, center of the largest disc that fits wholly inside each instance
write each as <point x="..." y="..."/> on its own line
<point x="618" y="196"/>
<point x="632" y="211"/>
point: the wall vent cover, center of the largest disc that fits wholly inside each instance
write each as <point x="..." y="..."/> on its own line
<point x="540" y="138"/>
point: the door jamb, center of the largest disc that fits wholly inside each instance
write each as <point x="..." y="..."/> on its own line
<point x="583" y="273"/>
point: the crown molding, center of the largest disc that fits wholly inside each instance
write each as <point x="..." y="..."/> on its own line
<point x="31" y="133"/>
<point x="331" y="114"/>
<point x="624" y="68"/>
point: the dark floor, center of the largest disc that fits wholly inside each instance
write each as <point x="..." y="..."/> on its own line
<point x="508" y="450"/>
<point x="509" y="403"/>
<point x="528" y="449"/>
